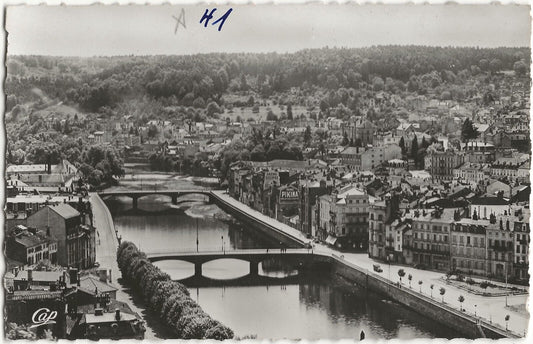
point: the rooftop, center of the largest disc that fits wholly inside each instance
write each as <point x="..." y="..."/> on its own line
<point x="93" y="284"/>
<point x="65" y="210"/>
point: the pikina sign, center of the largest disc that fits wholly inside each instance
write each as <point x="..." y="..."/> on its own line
<point x="287" y="195"/>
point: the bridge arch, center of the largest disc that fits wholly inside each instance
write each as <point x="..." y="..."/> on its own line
<point x="135" y="195"/>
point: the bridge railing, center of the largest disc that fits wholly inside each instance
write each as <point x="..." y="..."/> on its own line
<point x="269" y="251"/>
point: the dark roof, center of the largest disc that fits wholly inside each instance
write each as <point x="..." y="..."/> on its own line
<point x="28" y="239"/>
<point x="490" y="201"/>
<point x="33" y="295"/>
<point x="65" y="211"/>
<point x="91" y="283"/>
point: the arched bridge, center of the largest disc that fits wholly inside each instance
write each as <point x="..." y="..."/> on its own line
<point x="173" y="194"/>
<point x="301" y="257"/>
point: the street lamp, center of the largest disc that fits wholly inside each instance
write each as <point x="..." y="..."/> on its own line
<point x="388" y="261"/>
<point x="197" y="241"/>
<point x="506" y="290"/>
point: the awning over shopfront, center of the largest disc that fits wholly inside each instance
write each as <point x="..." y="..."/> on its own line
<point x="331" y="240"/>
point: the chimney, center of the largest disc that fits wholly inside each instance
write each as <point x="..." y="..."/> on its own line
<point x="117" y="314"/>
<point x="102" y="275"/>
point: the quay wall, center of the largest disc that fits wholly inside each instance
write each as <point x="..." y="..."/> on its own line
<point x="250" y="220"/>
<point x="430" y="307"/>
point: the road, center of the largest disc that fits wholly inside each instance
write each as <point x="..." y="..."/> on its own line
<point x="492" y="309"/>
<point x="106" y="254"/>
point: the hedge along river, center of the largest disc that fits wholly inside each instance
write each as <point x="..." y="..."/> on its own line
<point x="310" y="307"/>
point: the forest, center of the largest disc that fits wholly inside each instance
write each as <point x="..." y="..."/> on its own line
<point x="198" y="80"/>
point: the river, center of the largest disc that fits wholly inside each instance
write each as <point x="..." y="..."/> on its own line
<point x="311" y="307"/>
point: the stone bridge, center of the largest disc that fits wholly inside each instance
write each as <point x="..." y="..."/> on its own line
<point x="302" y="258"/>
<point x="173" y="194"/>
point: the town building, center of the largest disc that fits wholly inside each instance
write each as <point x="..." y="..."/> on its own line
<point x="310" y="191"/>
<point x="75" y="236"/>
<point x="469" y="246"/>
<point x="381" y="215"/>
<point x="479" y="152"/>
<point x="431" y="237"/>
<point x="441" y="165"/>
<point x="30" y="246"/>
<point x="359" y="131"/>
<point x="348" y="218"/>
<point x="44" y="178"/>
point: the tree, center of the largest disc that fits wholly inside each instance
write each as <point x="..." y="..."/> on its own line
<point x="402" y="145"/>
<point x="169" y="299"/>
<point x="520" y="68"/>
<point x="461" y="299"/>
<point x="378" y="84"/>
<point x="414" y="149"/>
<point x="152" y="131"/>
<point x="420" y="284"/>
<point x="289" y="112"/>
<point x="307" y="135"/>
<point x="495" y="65"/>
<point x="212" y="108"/>
<point x="271" y="116"/>
<point x="442" y="292"/>
<point x="410" y="278"/>
<point x="507" y="317"/>
<point x="484" y="285"/>
<point x="401" y="273"/>
<point x="345" y="140"/>
<point x="468" y="131"/>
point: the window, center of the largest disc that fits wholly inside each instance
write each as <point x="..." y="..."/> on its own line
<point x="468" y="240"/>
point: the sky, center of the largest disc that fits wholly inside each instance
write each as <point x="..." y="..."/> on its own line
<point x="149" y="30"/>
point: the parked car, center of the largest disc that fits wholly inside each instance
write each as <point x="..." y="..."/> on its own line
<point x="377" y="268"/>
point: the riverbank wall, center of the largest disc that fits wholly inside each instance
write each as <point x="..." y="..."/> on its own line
<point x="246" y="218"/>
<point x="431" y="307"/>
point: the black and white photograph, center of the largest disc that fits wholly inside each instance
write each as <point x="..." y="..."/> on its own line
<point x="282" y="172"/>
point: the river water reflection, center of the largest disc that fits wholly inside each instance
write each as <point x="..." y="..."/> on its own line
<point x="314" y="307"/>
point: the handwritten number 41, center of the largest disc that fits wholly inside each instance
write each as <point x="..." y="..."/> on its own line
<point x="207" y="17"/>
